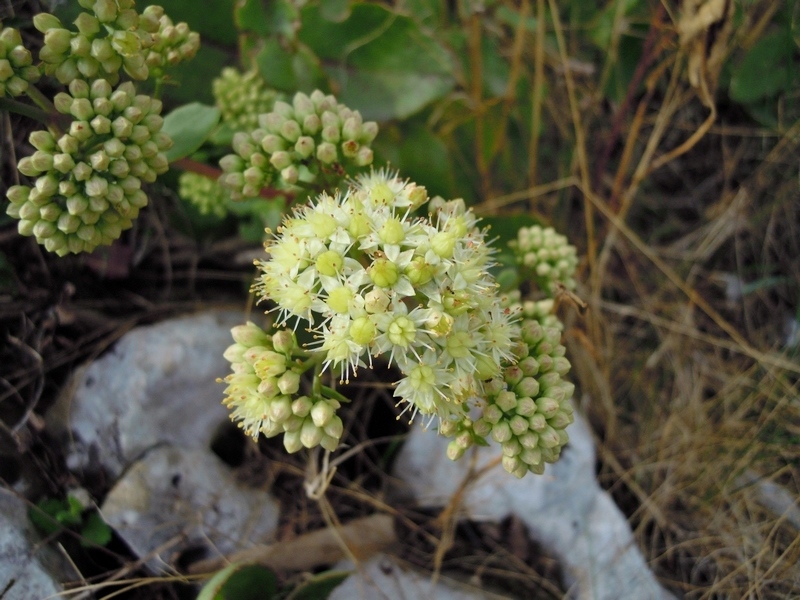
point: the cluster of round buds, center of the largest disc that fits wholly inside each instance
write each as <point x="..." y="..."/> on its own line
<point x="204" y="193"/>
<point x="114" y="37"/>
<point x="371" y="280"/>
<point x="527" y="409"/>
<point x="172" y="43"/>
<point x="241" y="97"/>
<point x="313" y="131"/>
<point x="262" y="387"/>
<point x="541" y="311"/>
<point x="88" y="186"/>
<point x="548" y="254"/>
<point x="16" y="64"/>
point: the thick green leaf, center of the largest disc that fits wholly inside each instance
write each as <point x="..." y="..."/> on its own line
<point x="267" y="17"/>
<point x="214" y="21"/>
<point x="766" y="69"/>
<point x="319" y="587"/>
<point x="289" y="71"/>
<point x="189" y="126"/>
<point x="190" y="81"/>
<point x="240" y="582"/>
<point x="384" y="65"/>
<point x="425" y="160"/>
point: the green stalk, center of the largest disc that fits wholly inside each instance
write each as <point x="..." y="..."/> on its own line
<point x="26" y="110"/>
<point x="334" y="395"/>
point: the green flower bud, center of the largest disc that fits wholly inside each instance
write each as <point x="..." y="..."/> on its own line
<point x="376" y="301"/>
<point x="44" y="22"/>
<point x="383" y="273"/>
<point x="304" y="146"/>
<point x="290" y="174"/>
<point x="454" y="450"/>
<point x="87" y="25"/>
<point x="280" y="409"/>
<point x="537" y="422"/>
<point x="507" y="401"/>
<point x="492" y="414"/>
<point x="363" y="157"/>
<point x="322" y="413"/>
<point x="284" y="341"/>
<point x="326" y="153"/>
<point x="482" y="427"/>
<point x="526" y="406"/>
<point x="292" y="442"/>
<point x="528" y="386"/>
<point x="329" y="263"/>
<point x="311" y="125"/>
<point x="289" y="383"/>
<point x="302" y="406"/>
<point x="518" y="425"/>
<point x="362" y="331"/>
<point x="334" y="428"/>
<point x="57" y="39"/>
<point x="280" y="160"/>
<point x="511" y="448"/>
<point x="310" y="434"/>
<point x="501" y="432"/>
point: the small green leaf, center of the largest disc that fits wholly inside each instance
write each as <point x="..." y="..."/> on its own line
<point x="765" y="70"/>
<point x="240" y="582"/>
<point x="318" y="587"/>
<point x="189" y="126"/>
<point x="95" y="531"/>
<point x="44" y="515"/>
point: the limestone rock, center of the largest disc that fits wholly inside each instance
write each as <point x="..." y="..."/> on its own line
<point x="565" y="510"/>
<point x="155" y="386"/>
<point x="174" y="499"/>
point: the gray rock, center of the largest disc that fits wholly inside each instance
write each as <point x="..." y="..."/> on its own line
<point x="28" y="569"/>
<point x="565" y="510"/>
<point x="157" y="385"/>
<point x="174" y="499"/>
<point x="381" y="577"/>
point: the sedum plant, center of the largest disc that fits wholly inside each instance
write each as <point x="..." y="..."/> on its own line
<point x="378" y="270"/>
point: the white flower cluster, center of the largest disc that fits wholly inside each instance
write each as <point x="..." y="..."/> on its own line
<point x="371" y="279"/>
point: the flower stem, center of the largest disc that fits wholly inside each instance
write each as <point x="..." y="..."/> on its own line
<point x="41" y="101"/>
<point x="26" y="110"/>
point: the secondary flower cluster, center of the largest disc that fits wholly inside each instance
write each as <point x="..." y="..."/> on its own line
<point x="260" y="389"/>
<point x="241" y="97"/>
<point x="88" y="180"/>
<point x="527" y="408"/>
<point x="313" y="132"/>
<point x="113" y="37"/>
<point x="372" y="280"/>
<point x="549" y="256"/>
<point x="16" y="64"/>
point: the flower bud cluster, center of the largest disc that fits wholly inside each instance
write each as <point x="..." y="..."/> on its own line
<point x="172" y="43"/>
<point x="313" y="131"/>
<point x="113" y="37"/>
<point x="205" y="193"/>
<point x="528" y="408"/>
<point x="548" y="254"/>
<point x="262" y="388"/>
<point x="16" y="64"/>
<point x="241" y="97"/>
<point x="88" y="180"/>
<point x="371" y="280"/>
